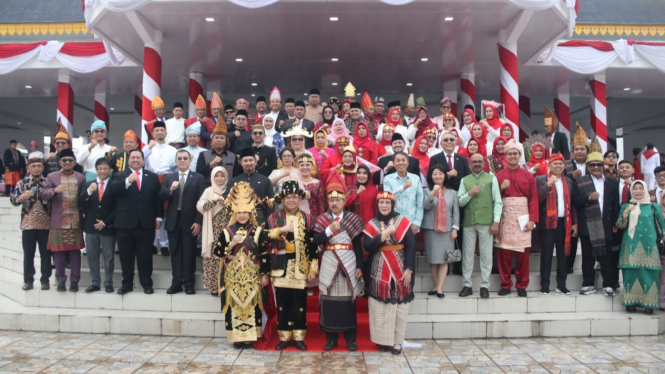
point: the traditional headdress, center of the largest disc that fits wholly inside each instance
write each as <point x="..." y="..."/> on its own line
<point x="445" y="100"/>
<point x="335" y="186"/>
<point x="491" y="103"/>
<point x="194" y="128"/>
<point x="420" y="101"/>
<point x="242" y="199"/>
<point x="595" y="145"/>
<point x="550" y="118"/>
<point x="130" y="134"/>
<point x="383" y="195"/>
<point x="538" y="139"/>
<point x="556" y="157"/>
<point x="61" y="132"/>
<point x="290" y="186"/>
<point x="512" y="144"/>
<point x="355" y="105"/>
<point x="159" y="124"/>
<point x="334" y="100"/>
<point x="349" y="90"/>
<point x="367" y="101"/>
<point x="411" y="103"/>
<point x="580" y="136"/>
<point x="35" y="157"/>
<point x="275" y="94"/>
<point x="200" y="103"/>
<point x="448" y="115"/>
<point x="67" y="153"/>
<point x="379" y="99"/>
<point x="157" y="103"/>
<point x="594" y="157"/>
<point x="216" y="102"/>
<point x="297" y="131"/>
<point x="220" y="128"/>
<point x="98" y="125"/>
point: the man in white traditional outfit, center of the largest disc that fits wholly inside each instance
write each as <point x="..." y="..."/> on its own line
<point x="192" y="136"/>
<point x="160" y="159"/>
<point x="175" y="127"/>
<point x="97" y="149"/>
<point x="650" y="160"/>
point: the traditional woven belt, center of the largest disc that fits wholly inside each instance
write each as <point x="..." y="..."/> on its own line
<point x="391" y="248"/>
<point x="336" y="247"/>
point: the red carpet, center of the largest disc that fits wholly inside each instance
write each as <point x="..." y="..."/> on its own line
<point x="316" y="339"/>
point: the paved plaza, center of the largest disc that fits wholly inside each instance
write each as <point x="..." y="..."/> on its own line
<point x="86" y="353"/>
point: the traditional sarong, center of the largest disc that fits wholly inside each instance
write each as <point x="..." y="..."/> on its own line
<point x="12" y="177"/>
<point x="510" y="234"/>
<point x="641" y="288"/>
<point x="60" y="240"/>
<point x="387" y="322"/>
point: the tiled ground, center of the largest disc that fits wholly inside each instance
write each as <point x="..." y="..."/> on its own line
<point x="81" y="353"/>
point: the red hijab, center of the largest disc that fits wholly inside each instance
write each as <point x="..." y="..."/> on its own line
<point x="542" y="170"/>
<point x="495" y="122"/>
<point x="482" y="139"/>
<point x="512" y="132"/>
<point x="389" y="120"/>
<point x="421" y="156"/>
<point x="424" y="124"/>
<point x="366" y="143"/>
<point x="388" y="142"/>
<point x="482" y="150"/>
<point x="496" y="153"/>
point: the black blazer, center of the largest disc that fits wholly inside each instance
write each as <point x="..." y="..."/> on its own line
<point x="460" y="163"/>
<point x="267" y="161"/>
<point x="134" y="208"/>
<point x="611" y="207"/>
<point x="93" y="209"/>
<point x="194" y="186"/>
<point x="560" y="144"/>
<point x="413" y="168"/>
<point x="281" y="116"/>
<point x="544" y="191"/>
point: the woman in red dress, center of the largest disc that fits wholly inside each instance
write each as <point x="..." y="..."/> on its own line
<point x="364" y="143"/>
<point x="364" y="198"/>
<point x="313" y="203"/>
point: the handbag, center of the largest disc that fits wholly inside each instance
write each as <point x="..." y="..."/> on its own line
<point x="454" y="255"/>
<point x="660" y="239"/>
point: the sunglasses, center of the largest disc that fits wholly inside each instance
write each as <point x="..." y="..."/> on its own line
<point x="257" y="133"/>
<point x="67" y="160"/>
<point x="60" y="143"/>
<point x="477" y="161"/>
<point x="99" y="131"/>
<point x="297" y="139"/>
<point x="595" y="165"/>
<point x="431" y="137"/>
<point x="612" y="156"/>
<point x="184" y="158"/>
<point x="447" y="140"/>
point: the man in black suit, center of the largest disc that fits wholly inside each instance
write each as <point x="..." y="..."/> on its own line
<point x="559" y="141"/>
<point x="576" y="168"/>
<point x="218" y="155"/>
<point x="240" y="138"/>
<point x="386" y="162"/>
<point x="267" y="158"/>
<point x="259" y="183"/>
<point x="299" y="121"/>
<point x="138" y="212"/>
<point x="99" y="210"/>
<point x="182" y="190"/>
<point x="598" y="204"/>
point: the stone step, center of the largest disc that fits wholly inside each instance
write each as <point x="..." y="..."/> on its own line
<point x="16" y="317"/>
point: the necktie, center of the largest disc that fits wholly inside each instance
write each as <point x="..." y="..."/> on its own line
<point x="337" y="219"/>
<point x="182" y="189"/>
<point x="624" y="194"/>
<point x="450" y="163"/>
<point x="101" y="190"/>
<point x="138" y="180"/>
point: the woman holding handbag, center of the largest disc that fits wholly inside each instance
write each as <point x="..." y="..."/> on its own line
<point x="440" y="225"/>
<point x="639" y="258"/>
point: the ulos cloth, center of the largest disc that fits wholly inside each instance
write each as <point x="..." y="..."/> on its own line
<point x="510" y="234"/>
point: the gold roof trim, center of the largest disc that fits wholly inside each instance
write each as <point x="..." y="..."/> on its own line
<point x="620" y="30"/>
<point x="68" y="28"/>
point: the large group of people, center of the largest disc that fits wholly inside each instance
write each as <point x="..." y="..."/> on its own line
<point x="342" y="198"/>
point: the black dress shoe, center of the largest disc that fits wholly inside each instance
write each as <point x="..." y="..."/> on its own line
<point x="214" y="294"/>
<point x="92" y="289"/>
<point x="352" y="346"/>
<point x="631" y="309"/>
<point x="466" y="291"/>
<point x="165" y="252"/>
<point x="484" y="293"/>
<point x="385" y="348"/>
<point x="124" y="290"/>
<point x="648" y="311"/>
<point x="248" y="345"/>
<point x="396" y="351"/>
<point x="74" y="287"/>
<point x="148" y="291"/>
<point x="521" y="292"/>
<point x="154" y="250"/>
<point x="504" y="291"/>
<point x="108" y="289"/>
<point x="62" y="287"/>
<point x="300" y="345"/>
<point x="431" y="293"/>
<point x="173" y="290"/>
<point x="329" y="346"/>
<point x="440" y="295"/>
<point x="190" y="291"/>
<point x="238" y="345"/>
<point x="283" y="345"/>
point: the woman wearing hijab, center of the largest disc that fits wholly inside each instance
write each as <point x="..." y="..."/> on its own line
<point x="639" y="258"/>
<point x="386" y="141"/>
<point x="273" y="137"/>
<point x="215" y="216"/>
<point x="508" y="132"/>
<point x="394" y="119"/>
<point x="328" y="117"/>
<point x="364" y="198"/>
<point x="538" y="163"/>
<point x="315" y="192"/>
<point x="338" y="130"/>
<point x="473" y="147"/>
<point x="420" y="124"/>
<point x="348" y="168"/>
<point x="440" y="225"/>
<point x="364" y="143"/>
<point x="321" y="151"/>
<point x="491" y="111"/>
<point x="497" y="160"/>
<point x="389" y="277"/>
<point x="420" y="148"/>
<point x="468" y="119"/>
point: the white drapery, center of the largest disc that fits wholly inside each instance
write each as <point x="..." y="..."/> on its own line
<point x="9" y="64"/>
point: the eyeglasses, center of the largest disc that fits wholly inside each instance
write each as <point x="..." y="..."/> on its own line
<point x="447" y="140"/>
<point x="67" y="160"/>
<point x="297" y="139"/>
<point x="612" y="156"/>
<point x="60" y="143"/>
<point x="257" y="133"/>
<point x="184" y="158"/>
<point x="595" y="165"/>
<point x="660" y="176"/>
<point x="228" y="112"/>
<point x="431" y="137"/>
<point x="99" y="131"/>
<point x="241" y="119"/>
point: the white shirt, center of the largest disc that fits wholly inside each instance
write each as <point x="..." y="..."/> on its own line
<point x="175" y="130"/>
<point x="329" y="233"/>
<point x="560" y="200"/>
<point x="621" y="184"/>
<point x="88" y="158"/>
<point x="195" y="151"/>
<point x="599" y="184"/>
<point x="399" y="129"/>
<point x="140" y="177"/>
<point x="452" y="159"/>
<point x="160" y="159"/>
<point x="581" y="167"/>
<point x="99" y="183"/>
<point x="659" y="192"/>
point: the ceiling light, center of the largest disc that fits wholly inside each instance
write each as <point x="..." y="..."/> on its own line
<point x="448" y="19"/>
<point x="253" y="95"/>
<point x="334" y="83"/>
<point x="238" y="60"/>
<point x="627" y="89"/>
<point x="334" y="59"/>
<point x="112" y="108"/>
<point x="424" y="59"/>
<point x="305" y="94"/>
<point x="358" y="94"/>
<point x="210" y="19"/>
<point x="254" y="84"/>
<point x="28" y="86"/>
<point x="18" y="123"/>
<point x="334" y="19"/>
<point x="409" y="84"/>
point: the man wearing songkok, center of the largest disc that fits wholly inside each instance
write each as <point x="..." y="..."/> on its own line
<point x="218" y="155"/>
<point x="138" y="212"/>
<point x="259" y="182"/>
<point x="229" y="116"/>
<point x="576" y="168"/>
<point x="407" y="189"/>
<point x="88" y="155"/>
<point x="340" y="276"/>
<point x="276" y="109"/>
<point x="60" y="141"/>
<point x="261" y="108"/>
<point x="558" y="222"/>
<point x="175" y="127"/>
<point x="649" y="161"/>
<point x="480" y="196"/>
<point x="98" y="204"/>
<point x="160" y="159"/>
<point x="314" y="112"/>
<point x="243" y="250"/>
<point x="14" y="166"/>
<point x="119" y="160"/>
<point x="446" y="107"/>
<point x="356" y="116"/>
<point x="158" y="108"/>
<point x="242" y="136"/>
<point x="35" y="222"/>
<point x="520" y="202"/>
<point x="207" y="124"/>
<point x="294" y="263"/>
<point x="182" y="189"/>
<point x="299" y="122"/>
<point x="386" y="162"/>
<point x="193" y="136"/>
<point x="62" y="188"/>
<point x="559" y="140"/>
<point x="379" y="107"/>
<point x="598" y="205"/>
<point x="289" y="108"/>
<point x="266" y="157"/>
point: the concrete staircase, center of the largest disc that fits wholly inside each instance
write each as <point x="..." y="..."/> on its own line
<point x="199" y="315"/>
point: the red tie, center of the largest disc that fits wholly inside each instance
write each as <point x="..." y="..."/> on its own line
<point x="450" y="163"/>
<point x="624" y="194"/>
<point x="337" y="219"/>
<point x="101" y="190"/>
<point x="138" y="180"/>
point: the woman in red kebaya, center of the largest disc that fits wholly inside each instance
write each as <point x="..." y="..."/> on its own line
<point x="364" y="198"/>
<point x="364" y="143"/>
